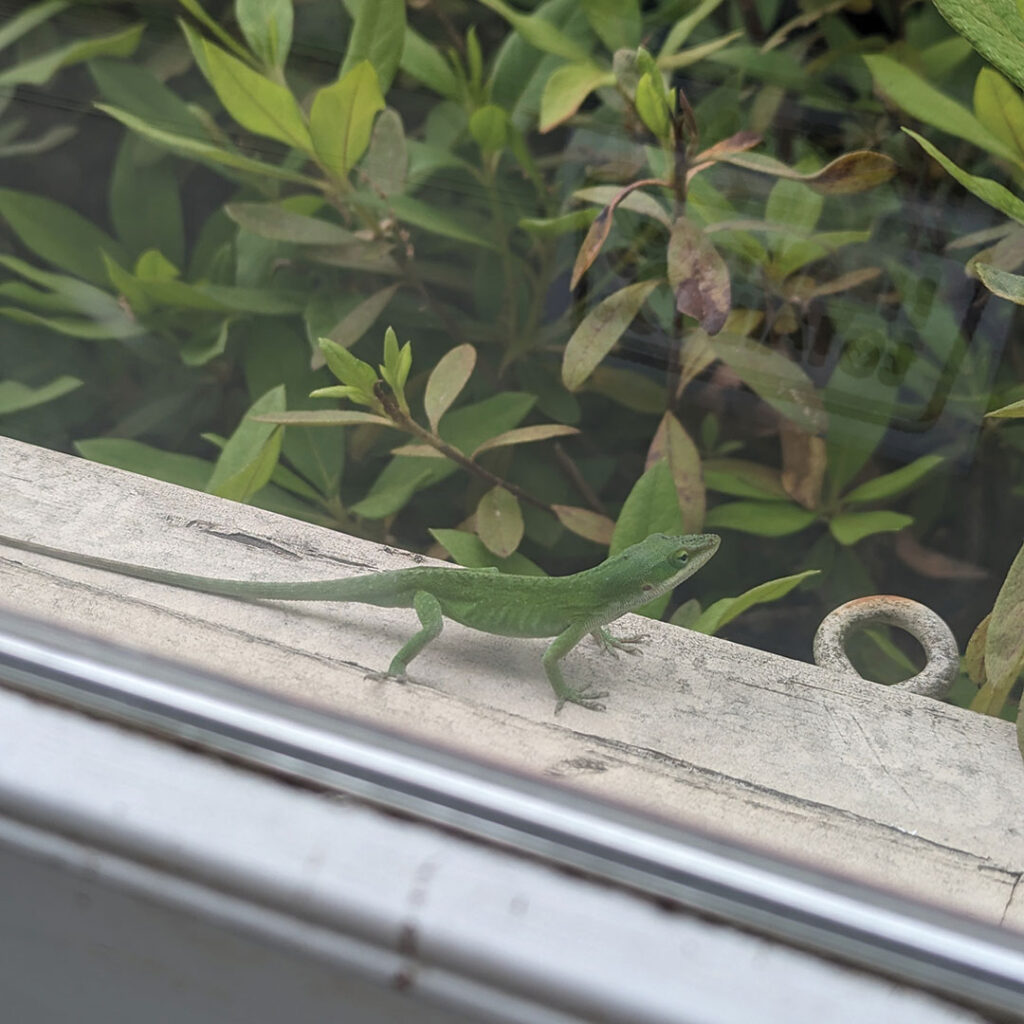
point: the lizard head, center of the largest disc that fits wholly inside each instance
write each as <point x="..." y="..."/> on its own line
<point x="663" y="561"/>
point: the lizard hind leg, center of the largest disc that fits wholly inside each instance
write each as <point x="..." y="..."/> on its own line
<point x="428" y="609"/>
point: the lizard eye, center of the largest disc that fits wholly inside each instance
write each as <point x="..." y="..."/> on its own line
<point x="683" y="556"/>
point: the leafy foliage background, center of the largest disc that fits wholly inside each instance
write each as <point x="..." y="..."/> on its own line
<point x="649" y="266"/>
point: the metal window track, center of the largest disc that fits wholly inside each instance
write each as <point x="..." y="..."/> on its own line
<point x="970" y="962"/>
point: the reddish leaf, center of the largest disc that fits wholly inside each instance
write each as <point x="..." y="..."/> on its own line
<point x="598" y="233"/>
<point x="738" y="143"/>
<point x="698" y="276"/>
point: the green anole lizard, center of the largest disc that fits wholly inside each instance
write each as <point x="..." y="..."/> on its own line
<point x="563" y="607"/>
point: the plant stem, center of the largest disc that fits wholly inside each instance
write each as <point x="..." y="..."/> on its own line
<point x="403" y="421"/>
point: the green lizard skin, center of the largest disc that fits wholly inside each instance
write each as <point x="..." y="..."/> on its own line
<point x="564" y="607"/>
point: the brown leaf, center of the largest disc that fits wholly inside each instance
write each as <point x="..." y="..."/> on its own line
<point x="695" y="356"/>
<point x="585" y="523"/>
<point x="849" y="173"/>
<point x="600" y="329"/>
<point x="672" y="443"/>
<point x="597" y="235"/>
<point x="974" y="656"/>
<point x="934" y="564"/>
<point x="698" y="276"/>
<point x="803" y="464"/>
<point x="738" y="143"/>
<point x="599" y="229"/>
<point x="853" y="172"/>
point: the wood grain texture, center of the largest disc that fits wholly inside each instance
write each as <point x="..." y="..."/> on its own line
<point x="886" y="786"/>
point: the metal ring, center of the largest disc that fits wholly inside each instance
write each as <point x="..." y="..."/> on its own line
<point x="931" y="631"/>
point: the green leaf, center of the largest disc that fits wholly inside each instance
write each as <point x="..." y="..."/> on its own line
<point x="922" y="100"/>
<point x="207" y="344"/>
<point x="600" y="329"/>
<point x="617" y="23"/>
<point x="1004" y="644"/>
<point x="446" y="382"/>
<point x="850" y="527"/>
<point x="387" y="161"/>
<point x="354" y="324"/>
<point x="58" y="235"/>
<point x="652" y="506"/>
<point x="437" y="221"/>
<point x="203" y="150"/>
<point x="423" y="61"/>
<point x="341" y="118"/>
<point x="555" y="227"/>
<point x="567" y="88"/>
<point x="253" y="100"/>
<point x="1001" y="282"/>
<point x="467" y="549"/>
<point x="74" y="328"/>
<point x="725" y="610"/>
<point x="378" y="36"/>
<point x="1000" y="109"/>
<point x="250" y="455"/>
<point x="499" y="521"/>
<point x="322" y="417"/>
<point x="15" y="396"/>
<point x="525" y="435"/>
<point x="684" y="26"/>
<point x="985" y="189"/>
<point x="778" y="380"/>
<point x="1015" y="410"/>
<point x="347" y="368"/>
<point x="538" y="32"/>
<point x="195" y="9"/>
<point x="994" y="28"/>
<point x="762" y="518"/>
<point x="394" y="493"/>
<point x="135" y="457"/>
<point x="793" y="204"/>
<point x="395" y="369"/>
<point x="145" y="205"/>
<point x="69" y="294"/>
<point x="743" y="479"/>
<point x="23" y="23"/>
<point x="269" y="220"/>
<point x="267" y="27"/>
<point x="40" y="69"/>
<point x="650" y="105"/>
<point x="889" y="485"/>
<point x="489" y="127"/>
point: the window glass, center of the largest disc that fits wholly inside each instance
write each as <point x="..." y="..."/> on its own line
<point x="525" y="288"/>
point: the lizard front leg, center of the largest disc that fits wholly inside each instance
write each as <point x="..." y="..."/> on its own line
<point x="557" y="650"/>
<point x="629" y="644"/>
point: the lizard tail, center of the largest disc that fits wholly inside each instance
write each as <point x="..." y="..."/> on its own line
<point x="365" y="589"/>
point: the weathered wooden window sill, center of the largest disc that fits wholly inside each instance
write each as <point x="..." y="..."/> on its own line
<point x="885" y="786"/>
